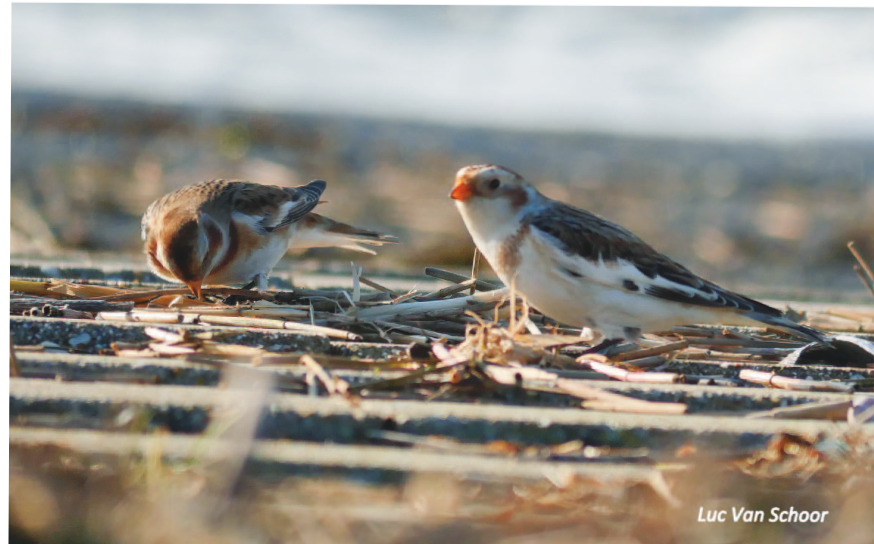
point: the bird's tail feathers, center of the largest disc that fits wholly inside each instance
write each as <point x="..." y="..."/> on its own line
<point x="785" y="325"/>
<point x="324" y="232"/>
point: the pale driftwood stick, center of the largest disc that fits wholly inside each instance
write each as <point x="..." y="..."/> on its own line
<point x="832" y="410"/>
<point x="277" y="324"/>
<point x="640" y="377"/>
<point x="447" y="291"/>
<point x="656" y="350"/>
<point x="446" y="275"/>
<point x="783" y="382"/>
<point x="598" y="399"/>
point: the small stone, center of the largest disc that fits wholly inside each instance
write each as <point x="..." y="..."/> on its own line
<point x="80" y="340"/>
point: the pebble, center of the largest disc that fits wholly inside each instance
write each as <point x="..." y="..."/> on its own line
<point x="80" y="340"/>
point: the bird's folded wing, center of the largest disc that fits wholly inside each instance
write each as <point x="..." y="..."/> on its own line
<point x="614" y="257"/>
<point x="269" y="208"/>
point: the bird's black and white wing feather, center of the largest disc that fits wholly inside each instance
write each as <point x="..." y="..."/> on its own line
<point x="267" y="208"/>
<point x="616" y="258"/>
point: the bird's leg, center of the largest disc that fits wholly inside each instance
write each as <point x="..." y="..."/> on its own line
<point x="262" y="282"/>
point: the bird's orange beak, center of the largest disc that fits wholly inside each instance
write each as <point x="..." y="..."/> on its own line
<point x="462" y="190"/>
<point x="195" y="287"/>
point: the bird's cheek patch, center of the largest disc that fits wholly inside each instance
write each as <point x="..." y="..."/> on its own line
<point x="518" y="197"/>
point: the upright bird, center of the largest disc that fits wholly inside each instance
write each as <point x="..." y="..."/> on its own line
<point x="581" y="269"/>
<point x="224" y="232"/>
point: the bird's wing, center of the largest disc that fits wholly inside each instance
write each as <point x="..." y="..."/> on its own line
<point x="614" y="257"/>
<point x="267" y="208"/>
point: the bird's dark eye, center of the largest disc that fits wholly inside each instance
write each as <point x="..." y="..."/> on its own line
<point x="494" y="184"/>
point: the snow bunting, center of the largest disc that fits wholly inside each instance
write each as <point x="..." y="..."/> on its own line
<point x="222" y="232"/>
<point x="585" y="271"/>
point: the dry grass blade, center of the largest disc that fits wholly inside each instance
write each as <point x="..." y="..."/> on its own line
<point x="868" y="276"/>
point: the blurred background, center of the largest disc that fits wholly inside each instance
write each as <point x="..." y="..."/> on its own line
<point x="739" y="141"/>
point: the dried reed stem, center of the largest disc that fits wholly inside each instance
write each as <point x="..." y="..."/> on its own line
<point x="640" y="377"/>
<point x="795" y="384"/>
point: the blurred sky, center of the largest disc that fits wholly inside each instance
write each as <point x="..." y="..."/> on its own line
<point x="735" y="72"/>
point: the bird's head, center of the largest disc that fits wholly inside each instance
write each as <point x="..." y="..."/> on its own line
<point x="490" y="182"/>
<point x="489" y="196"/>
